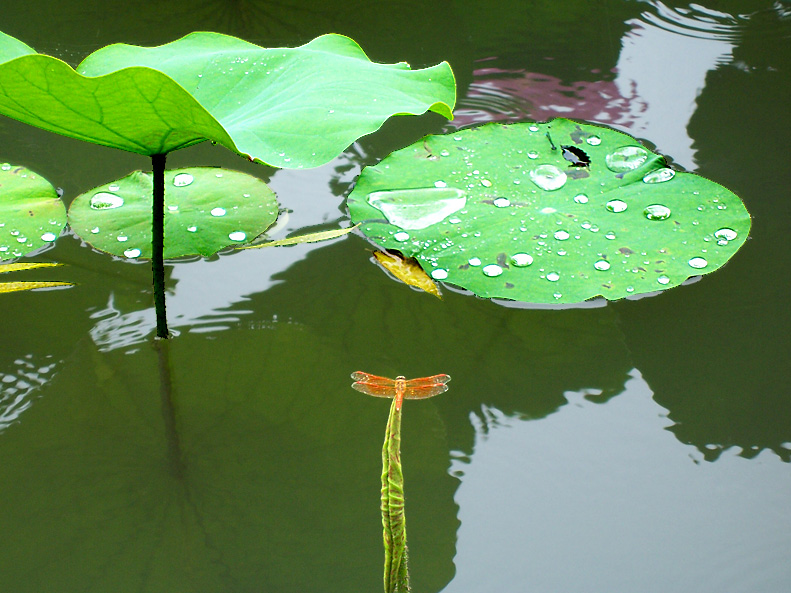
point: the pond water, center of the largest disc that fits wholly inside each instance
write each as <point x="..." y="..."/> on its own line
<point x="639" y="446"/>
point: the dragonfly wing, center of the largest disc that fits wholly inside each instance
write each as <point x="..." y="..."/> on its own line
<point x="428" y="381"/>
<point x="372" y="379"/>
<point x="425" y="392"/>
<point x="373" y="389"/>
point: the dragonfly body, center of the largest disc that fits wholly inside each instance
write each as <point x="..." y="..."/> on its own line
<point x="400" y="388"/>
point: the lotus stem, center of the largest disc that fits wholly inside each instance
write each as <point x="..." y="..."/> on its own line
<point x="158" y="243"/>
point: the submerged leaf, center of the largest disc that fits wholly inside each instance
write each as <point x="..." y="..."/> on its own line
<point x="31" y="213"/>
<point x="206" y="209"/>
<point x="311" y="238"/>
<point x="408" y="271"/>
<point x="502" y="211"/>
<point x="288" y="107"/>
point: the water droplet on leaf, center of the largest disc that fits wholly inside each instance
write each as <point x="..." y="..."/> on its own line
<point x="626" y="158"/>
<point x="581" y="199"/>
<point x="553" y="276"/>
<point x="593" y="140"/>
<point x="657" y="212"/>
<point x="401" y="236"/>
<point x="418" y="208"/>
<point x="183" y="179"/>
<point x="439" y="274"/>
<point x="48" y="237"/>
<point x="521" y="260"/>
<point x="616" y="206"/>
<point x="726" y="234"/>
<point x="602" y="265"/>
<point x="106" y="201"/>
<point x="492" y="270"/>
<point x="548" y="177"/>
<point x="659" y="176"/>
<point x="698" y="263"/>
<point x="561" y="235"/>
<point x="502" y="202"/>
<point x="237" y="236"/>
<point x="132" y="253"/>
<point x="663" y="279"/>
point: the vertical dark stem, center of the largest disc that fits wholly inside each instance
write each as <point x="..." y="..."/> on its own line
<point x="158" y="243"/>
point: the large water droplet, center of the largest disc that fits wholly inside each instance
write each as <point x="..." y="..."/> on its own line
<point x="581" y="199"/>
<point x="218" y="211"/>
<point x="502" y="202"/>
<point x="49" y="237"/>
<point x="602" y="265"/>
<point x="593" y="140"/>
<point x="698" y="263"/>
<point x="237" y="236"/>
<point x="401" y="236"/>
<point x="659" y="176"/>
<point x="492" y="270"/>
<point x="616" y="206"/>
<point x="183" y="179"/>
<point x="663" y="279"/>
<point x="626" y="158"/>
<point x="474" y="261"/>
<point x="657" y="212"/>
<point x="132" y="253"/>
<point x="418" y="208"/>
<point x="553" y="276"/>
<point x="521" y="260"/>
<point x="548" y="177"/>
<point x="726" y="234"/>
<point x="105" y="201"/>
<point x="439" y="274"/>
<point x="561" y="235"/>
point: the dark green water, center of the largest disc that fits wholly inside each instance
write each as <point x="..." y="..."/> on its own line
<point x="640" y="446"/>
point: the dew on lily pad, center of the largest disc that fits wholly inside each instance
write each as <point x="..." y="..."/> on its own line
<point x="439" y="274"/>
<point x="492" y="270"/>
<point x="218" y="211"/>
<point x="106" y="201"/>
<point x="698" y="263"/>
<point x="616" y="206"/>
<point x="49" y="237"/>
<point x="418" y="208"/>
<point x="659" y="176"/>
<point x="132" y="253"/>
<point x="548" y="177"/>
<point x="589" y="237"/>
<point x="183" y="179"/>
<point x="657" y="212"/>
<point x="626" y="158"/>
<point x="237" y="236"/>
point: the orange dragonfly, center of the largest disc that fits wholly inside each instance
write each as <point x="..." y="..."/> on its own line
<point x="400" y="387"/>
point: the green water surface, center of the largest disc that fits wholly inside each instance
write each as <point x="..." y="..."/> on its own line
<point x="642" y="445"/>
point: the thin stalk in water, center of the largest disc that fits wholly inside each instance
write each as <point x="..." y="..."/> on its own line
<point x="396" y="575"/>
<point x="158" y="243"/>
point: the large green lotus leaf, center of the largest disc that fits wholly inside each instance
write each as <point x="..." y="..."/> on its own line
<point x="206" y="209"/>
<point x="288" y="107"/>
<point x="31" y="213"/>
<point x="502" y="211"/>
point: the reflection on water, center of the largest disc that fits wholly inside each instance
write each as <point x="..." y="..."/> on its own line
<point x="19" y="384"/>
<point x="630" y="497"/>
<point x="686" y="44"/>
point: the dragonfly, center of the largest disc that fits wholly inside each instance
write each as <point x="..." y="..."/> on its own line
<point x="400" y="388"/>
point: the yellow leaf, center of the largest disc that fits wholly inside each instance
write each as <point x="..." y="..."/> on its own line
<point x="311" y="238"/>
<point x="17" y="286"/>
<point x="408" y="271"/>
<point x="24" y="266"/>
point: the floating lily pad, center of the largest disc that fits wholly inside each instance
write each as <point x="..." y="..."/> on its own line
<point x="31" y="213"/>
<point x="289" y="107"/>
<point x="206" y="209"/>
<point x="556" y="212"/>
